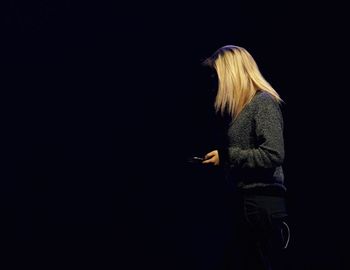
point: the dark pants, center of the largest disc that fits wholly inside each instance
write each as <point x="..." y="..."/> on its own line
<point x="261" y="233"/>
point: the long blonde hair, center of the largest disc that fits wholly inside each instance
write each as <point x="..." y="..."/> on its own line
<point x="239" y="79"/>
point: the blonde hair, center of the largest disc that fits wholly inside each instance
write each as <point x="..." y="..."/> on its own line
<point x="239" y="79"/>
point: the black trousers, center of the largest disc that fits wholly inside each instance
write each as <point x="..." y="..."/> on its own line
<point x="261" y="233"/>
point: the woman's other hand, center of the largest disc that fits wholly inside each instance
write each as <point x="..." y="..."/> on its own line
<point x="212" y="158"/>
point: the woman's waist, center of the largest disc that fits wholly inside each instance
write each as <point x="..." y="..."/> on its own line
<point x="253" y="175"/>
<point x="275" y="189"/>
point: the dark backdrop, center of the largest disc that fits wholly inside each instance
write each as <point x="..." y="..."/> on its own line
<point x="102" y="105"/>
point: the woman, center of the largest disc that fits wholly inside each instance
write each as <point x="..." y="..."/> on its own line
<point x="253" y="156"/>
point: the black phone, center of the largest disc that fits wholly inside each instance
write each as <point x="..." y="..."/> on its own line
<point x="195" y="159"/>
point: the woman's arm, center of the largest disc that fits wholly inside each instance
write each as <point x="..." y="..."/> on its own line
<point x="269" y="131"/>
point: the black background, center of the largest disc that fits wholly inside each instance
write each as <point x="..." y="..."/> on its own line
<point x="103" y="103"/>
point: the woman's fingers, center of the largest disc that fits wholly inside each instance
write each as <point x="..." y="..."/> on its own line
<point x="212" y="157"/>
<point x="211" y="160"/>
<point x="210" y="154"/>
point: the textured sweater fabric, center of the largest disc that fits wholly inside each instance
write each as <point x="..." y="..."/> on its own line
<point x="255" y="152"/>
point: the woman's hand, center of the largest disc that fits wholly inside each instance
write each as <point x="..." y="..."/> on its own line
<point x="212" y="158"/>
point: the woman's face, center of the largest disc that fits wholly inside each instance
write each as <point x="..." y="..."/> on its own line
<point x="212" y="79"/>
<point x="209" y="79"/>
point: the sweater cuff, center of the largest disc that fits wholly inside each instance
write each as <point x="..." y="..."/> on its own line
<point x="233" y="156"/>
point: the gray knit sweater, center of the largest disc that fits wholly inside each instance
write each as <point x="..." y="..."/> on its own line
<point x="255" y="151"/>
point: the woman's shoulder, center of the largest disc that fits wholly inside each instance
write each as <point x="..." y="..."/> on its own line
<point x="264" y="102"/>
<point x="263" y="98"/>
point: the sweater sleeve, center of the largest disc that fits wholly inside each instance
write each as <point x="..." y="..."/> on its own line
<point x="269" y="150"/>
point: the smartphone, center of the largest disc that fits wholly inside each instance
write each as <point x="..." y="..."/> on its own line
<point x="195" y="159"/>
